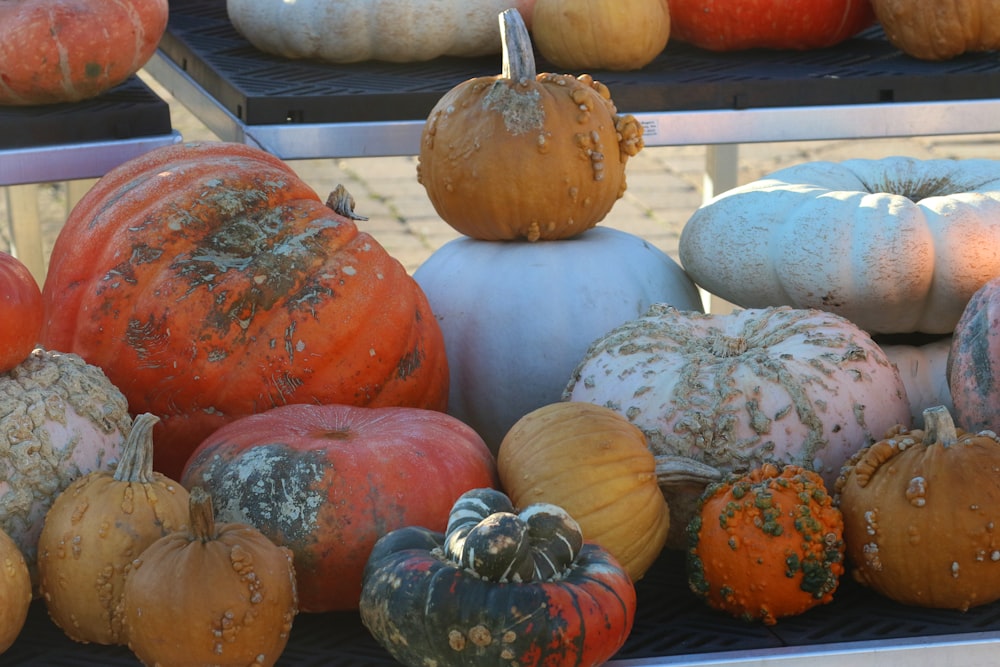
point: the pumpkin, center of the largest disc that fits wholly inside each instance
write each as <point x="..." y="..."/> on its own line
<point x="973" y="359"/>
<point x="498" y="587"/>
<point x="768" y="242"/>
<point x="327" y="481"/>
<point x="734" y="391"/>
<point x="766" y="544"/>
<point x="525" y="155"/>
<point x="210" y="282"/>
<point x="719" y="25"/>
<point x="923" y="368"/>
<point x="66" y="50"/>
<point x="600" y="34"/>
<point x="517" y="317"/>
<point x="350" y="31"/>
<point x="919" y="510"/>
<point x="20" y="311"/>
<point x="931" y="30"/>
<point x="60" y="419"/>
<point x="595" y="464"/>
<point x="15" y="591"/>
<point x="94" y="530"/>
<point x="210" y="594"/>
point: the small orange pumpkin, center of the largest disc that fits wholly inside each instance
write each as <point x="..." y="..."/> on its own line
<point x="767" y="544"/>
<point x="15" y="591"/>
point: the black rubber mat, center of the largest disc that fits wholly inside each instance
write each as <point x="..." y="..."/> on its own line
<point x="128" y="111"/>
<point x="262" y="89"/>
<point x="670" y="621"/>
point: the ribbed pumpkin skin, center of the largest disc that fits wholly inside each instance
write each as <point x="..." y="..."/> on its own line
<point x="935" y="30"/>
<point x="328" y="481"/>
<point x="209" y="282"/>
<point x="974" y="361"/>
<point x="69" y="50"/>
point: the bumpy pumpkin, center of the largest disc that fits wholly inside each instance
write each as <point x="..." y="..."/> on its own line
<point x="214" y="594"/>
<point x="973" y="364"/>
<point x="60" y="418"/>
<point x="15" y="591"/>
<point x="525" y="155"/>
<point x="767" y="544"/>
<point x="517" y="317"/>
<point x="932" y="30"/>
<point x="732" y="25"/>
<point x="768" y="243"/>
<point x="20" y="312"/>
<point x="920" y="508"/>
<point x="65" y="51"/>
<point x="327" y="481"/>
<point x="354" y="30"/>
<point x="737" y="390"/>
<point x="498" y="587"/>
<point x="595" y="464"/>
<point x="210" y="282"/>
<point x="600" y="34"/>
<point x="94" y="530"/>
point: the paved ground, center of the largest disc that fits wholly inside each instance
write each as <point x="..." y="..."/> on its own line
<point x="665" y="184"/>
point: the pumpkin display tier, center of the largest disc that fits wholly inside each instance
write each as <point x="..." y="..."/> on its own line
<point x="931" y="30"/>
<point x="501" y="586"/>
<point x="210" y="282"/>
<point x="896" y="245"/>
<point x="349" y="31"/>
<point x="54" y="51"/>
<point x="524" y="155"/>
<point x="920" y="507"/>
<point x="733" y="391"/>
<point x="517" y="317"/>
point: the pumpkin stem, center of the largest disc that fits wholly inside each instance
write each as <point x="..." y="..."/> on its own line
<point x="136" y="464"/>
<point x="341" y="202"/>
<point x="682" y="470"/>
<point x="939" y="427"/>
<point x="518" y="56"/>
<point x="202" y="516"/>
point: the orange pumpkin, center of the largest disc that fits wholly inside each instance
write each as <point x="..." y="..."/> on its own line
<point x="67" y="50"/>
<point x="20" y="311"/>
<point x="766" y="544"/>
<point x="210" y="282"/>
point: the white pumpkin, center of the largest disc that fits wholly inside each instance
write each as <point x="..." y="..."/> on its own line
<point x="923" y="368"/>
<point x="347" y="31"/>
<point x="736" y="390"/>
<point x="896" y="245"/>
<point x="518" y="316"/>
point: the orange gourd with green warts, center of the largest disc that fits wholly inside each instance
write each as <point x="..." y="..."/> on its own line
<point x="767" y="544"/>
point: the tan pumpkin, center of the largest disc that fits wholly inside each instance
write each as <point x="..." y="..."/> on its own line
<point x="601" y="34"/>
<point x="94" y="531"/>
<point x="593" y="463"/>
<point x="920" y="509"/>
<point x="15" y="591"/>
<point x="935" y="30"/>
<point x="525" y="155"/>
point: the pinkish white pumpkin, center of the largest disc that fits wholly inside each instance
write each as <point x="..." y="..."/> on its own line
<point x="923" y="368"/>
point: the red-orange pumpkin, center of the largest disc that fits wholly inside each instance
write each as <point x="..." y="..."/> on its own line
<point x="327" y="481"/>
<point x="68" y="50"/>
<point x="210" y="282"/>
<point x="727" y="25"/>
<point x="20" y="312"/>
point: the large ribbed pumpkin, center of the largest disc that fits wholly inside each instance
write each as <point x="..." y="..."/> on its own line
<point x="210" y="282"/>
<point x="68" y="50"/>
<point x="935" y="30"/>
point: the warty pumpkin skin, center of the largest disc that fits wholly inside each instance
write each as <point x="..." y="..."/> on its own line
<point x="327" y="481"/>
<point x="500" y="586"/>
<point x="66" y="50"/>
<point x="932" y="30"/>
<point x="525" y="155"/>
<point x="766" y="544"/>
<point x="973" y="363"/>
<point x="734" y="391"/>
<point x="210" y="282"/>
<point x="15" y="591"/>
<point x="20" y="312"/>
<point x="920" y="509"/>
<point x="767" y="243"/>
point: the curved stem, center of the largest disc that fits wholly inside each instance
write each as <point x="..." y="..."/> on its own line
<point x="136" y="464"/>
<point x="518" y="57"/>
<point x="677" y="470"/>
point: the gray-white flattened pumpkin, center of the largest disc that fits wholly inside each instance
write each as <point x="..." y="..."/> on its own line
<point x="733" y="391"/>
<point x="896" y="245"/>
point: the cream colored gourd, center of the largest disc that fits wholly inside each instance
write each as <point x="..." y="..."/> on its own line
<point x="896" y="245"/>
<point x="348" y="31"/>
<point x="734" y="391"/>
<point x="923" y="368"/>
<point x="601" y="34"/>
